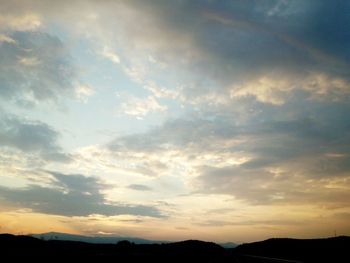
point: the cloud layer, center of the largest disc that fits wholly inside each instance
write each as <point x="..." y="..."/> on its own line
<point x="259" y="160"/>
<point x="72" y="195"/>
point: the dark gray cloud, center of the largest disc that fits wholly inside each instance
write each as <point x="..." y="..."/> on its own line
<point x="221" y="44"/>
<point x="72" y="195"/>
<point x="79" y="183"/>
<point x="140" y="187"/>
<point x="31" y="137"/>
<point x="34" y="67"/>
<point x="234" y="41"/>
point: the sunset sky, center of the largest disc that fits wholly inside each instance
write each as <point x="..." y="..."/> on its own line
<point x="173" y="120"/>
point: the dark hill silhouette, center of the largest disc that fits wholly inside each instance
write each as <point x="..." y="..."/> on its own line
<point x="336" y="249"/>
<point x="23" y="247"/>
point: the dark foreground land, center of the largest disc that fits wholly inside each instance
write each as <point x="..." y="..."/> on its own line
<point x="273" y="250"/>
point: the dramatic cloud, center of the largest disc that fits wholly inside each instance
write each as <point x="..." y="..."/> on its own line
<point x="72" y="195"/>
<point x="258" y="161"/>
<point x="260" y="49"/>
<point x="252" y="48"/>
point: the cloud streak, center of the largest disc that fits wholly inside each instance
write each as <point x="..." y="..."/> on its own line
<point x="72" y="195"/>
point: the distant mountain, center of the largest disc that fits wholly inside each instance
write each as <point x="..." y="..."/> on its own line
<point x="94" y="239"/>
<point x="107" y="239"/>
<point x="228" y="245"/>
<point x="335" y="249"/>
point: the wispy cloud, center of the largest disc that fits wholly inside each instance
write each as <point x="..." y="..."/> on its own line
<point x="140" y="107"/>
<point x="139" y="187"/>
<point x="27" y="22"/>
<point x="83" y="92"/>
<point x="109" y="54"/>
<point x="36" y="69"/>
<point x="7" y="39"/>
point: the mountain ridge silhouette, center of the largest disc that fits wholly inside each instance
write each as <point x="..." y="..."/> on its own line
<point x="271" y="250"/>
<point x="108" y="239"/>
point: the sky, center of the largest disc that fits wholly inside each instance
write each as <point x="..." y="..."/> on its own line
<point x="172" y="120"/>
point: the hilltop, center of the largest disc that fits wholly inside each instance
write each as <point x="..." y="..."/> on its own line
<point x="335" y="249"/>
